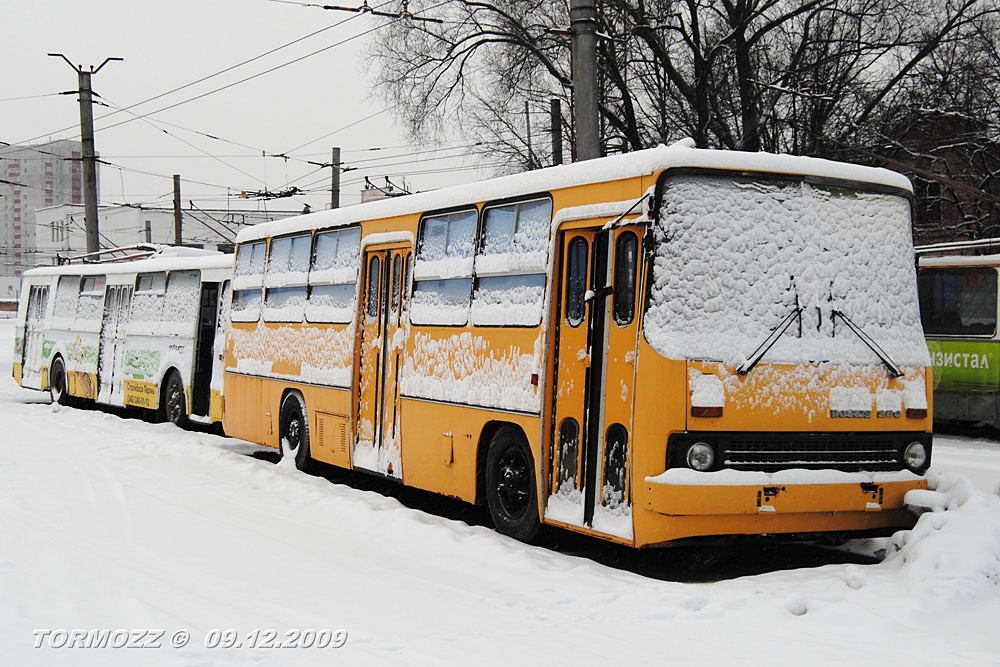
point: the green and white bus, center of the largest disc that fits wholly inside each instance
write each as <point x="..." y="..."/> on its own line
<point x="958" y="309"/>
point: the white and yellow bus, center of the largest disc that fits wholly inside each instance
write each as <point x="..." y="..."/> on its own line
<point x="148" y="332"/>
<point x="661" y="345"/>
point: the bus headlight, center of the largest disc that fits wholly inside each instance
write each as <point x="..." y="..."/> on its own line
<point x="701" y="457"/>
<point x="915" y="456"/>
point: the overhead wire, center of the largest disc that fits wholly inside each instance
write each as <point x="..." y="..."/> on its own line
<point x="186" y="143"/>
<point x="285" y="155"/>
<point x="207" y="77"/>
<point x="36" y="97"/>
<point x="248" y="78"/>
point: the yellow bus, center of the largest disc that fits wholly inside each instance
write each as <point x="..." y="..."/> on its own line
<point x="660" y="345"/>
<point x="139" y="327"/>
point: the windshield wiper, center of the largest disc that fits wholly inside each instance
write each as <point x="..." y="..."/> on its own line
<point x="769" y="342"/>
<point x="872" y="345"/>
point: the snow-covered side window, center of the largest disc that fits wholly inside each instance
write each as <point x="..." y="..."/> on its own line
<point x="248" y="282"/>
<point x="67" y="298"/>
<point x="285" y="278"/>
<point x="181" y="302"/>
<point x="511" y="264"/>
<point x="333" y="276"/>
<point x="737" y="255"/>
<point x="147" y="300"/>
<point x="91" y="304"/>
<point x="442" y="274"/>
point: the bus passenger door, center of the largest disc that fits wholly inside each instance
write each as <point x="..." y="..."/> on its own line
<point x="208" y="319"/>
<point x="219" y="351"/>
<point x="33" y="343"/>
<point x="382" y="334"/>
<point x="111" y="351"/>
<point x="596" y="343"/>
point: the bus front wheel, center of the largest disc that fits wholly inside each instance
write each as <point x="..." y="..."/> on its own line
<point x="294" y="430"/>
<point x="510" y="485"/>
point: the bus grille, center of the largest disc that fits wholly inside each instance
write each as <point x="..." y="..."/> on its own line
<point x="850" y="453"/>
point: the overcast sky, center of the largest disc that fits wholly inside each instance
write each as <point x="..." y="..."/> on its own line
<point x="296" y="109"/>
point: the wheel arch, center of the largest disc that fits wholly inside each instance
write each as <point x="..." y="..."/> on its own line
<point x="161" y="385"/>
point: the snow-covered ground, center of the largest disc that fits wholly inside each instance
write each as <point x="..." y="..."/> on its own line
<point x="110" y="525"/>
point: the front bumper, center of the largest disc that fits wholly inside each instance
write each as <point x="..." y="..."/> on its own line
<point x="680" y="492"/>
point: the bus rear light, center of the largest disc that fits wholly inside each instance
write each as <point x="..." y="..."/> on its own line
<point x="706" y="411"/>
<point x="534" y="379"/>
<point x="916" y="413"/>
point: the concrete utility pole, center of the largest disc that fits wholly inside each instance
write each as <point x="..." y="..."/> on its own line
<point x="178" y="215"/>
<point x="335" y="178"/>
<point x="89" y="153"/>
<point x="583" y="31"/>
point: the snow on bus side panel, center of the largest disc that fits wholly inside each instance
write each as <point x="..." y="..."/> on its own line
<point x="324" y="355"/>
<point x="465" y="368"/>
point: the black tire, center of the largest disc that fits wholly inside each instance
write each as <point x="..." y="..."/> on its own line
<point x="57" y="384"/>
<point x="293" y="428"/>
<point x="174" y="400"/>
<point x="510" y="485"/>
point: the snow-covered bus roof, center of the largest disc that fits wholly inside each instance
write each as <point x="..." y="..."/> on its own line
<point x="958" y="261"/>
<point x="216" y="260"/>
<point x="629" y="165"/>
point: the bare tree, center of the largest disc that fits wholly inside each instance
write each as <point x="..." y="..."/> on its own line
<point x="943" y="129"/>
<point x="805" y="76"/>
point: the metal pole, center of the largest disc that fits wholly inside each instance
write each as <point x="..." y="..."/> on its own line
<point x="178" y="215"/>
<point x="555" y="112"/>
<point x="335" y="178"/>
<point x="583" y="29"/>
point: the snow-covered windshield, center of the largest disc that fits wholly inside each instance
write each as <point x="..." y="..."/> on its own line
<point x="736" y="255"/>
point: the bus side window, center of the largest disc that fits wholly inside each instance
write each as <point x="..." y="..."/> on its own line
<point x="576" y="281"/>
<point x="333" y="276"/>
<point x="248" y="281"/>
<point x="374" y="273"/>
<point x="67" y="296"/>
<point x="407" y="270"/>
<point x="396" y="286"/>
<point x="626" y="253"/>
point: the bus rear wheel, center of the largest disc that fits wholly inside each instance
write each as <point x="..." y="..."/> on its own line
<point x="510" y="485"/>
<point x="294" y="430"/>
<point x="57" y="383"/>
<point x="174" y="401"/>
